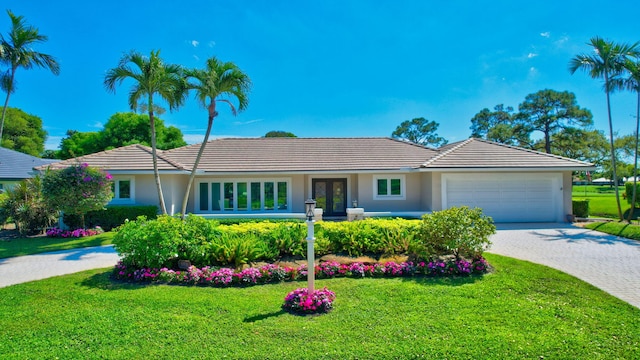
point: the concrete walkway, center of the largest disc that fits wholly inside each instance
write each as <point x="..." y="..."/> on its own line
<point x="608" y="262"/>
<point x="35" y="267"/>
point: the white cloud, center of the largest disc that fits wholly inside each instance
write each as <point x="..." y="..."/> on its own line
<point x="211" y="43"/>
<point x="195" y="43"/>
<point x="545" y="34"/>
<point x="97" y="125"/>
<point x="562" y="41"/>
<point x="246" y="122"/>
<point x="196" y="57"/>
<point x="531" y="55"/>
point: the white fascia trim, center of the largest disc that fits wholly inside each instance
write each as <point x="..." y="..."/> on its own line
<point x="309" y="172"/>
<point x="520" y="169"/>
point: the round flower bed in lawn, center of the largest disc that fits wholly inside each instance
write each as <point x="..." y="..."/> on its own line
<point x="300" y="302"/>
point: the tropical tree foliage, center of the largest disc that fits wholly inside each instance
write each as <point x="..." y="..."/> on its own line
<point x="606" y="60"/>
<point x="120" y="130"/>
<point x="217" y="82"/>
<point x="24" y="204"/>
<point x="23" y="132"/>
<point x="17" y="52"/>
<point x="499" y="126"/>
<point x="550" y="112"/>
<point x="279" y="133"/>
<point x="419" y="131"/>
<point x="151" y="76"/>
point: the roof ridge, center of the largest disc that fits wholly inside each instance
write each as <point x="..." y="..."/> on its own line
<point x="407" y="142"/>
<point x="445" y="153"/>
<point x="531" y="151"/>
<point x="160" y="154"/>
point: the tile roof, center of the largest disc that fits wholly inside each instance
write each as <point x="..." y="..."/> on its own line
<point x="131" y="157"/>
<point x="477" y="153"/>
<point x="16" y="165"/>
<point x="303" y="154"/>
<point x="244" y="155"/>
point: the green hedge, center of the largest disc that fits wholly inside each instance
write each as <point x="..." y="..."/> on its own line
<point x="581" y="208"/>
<point x="111" y="217"/>
<point x="629" y="193"/>
<point x="162" y="242"/>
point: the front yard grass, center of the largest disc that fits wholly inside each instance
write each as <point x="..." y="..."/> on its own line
<point x="622" y="229"/>
<point x="35" y="245"/>
<point x="522" y="310"/>
<point x="602" y="200"/>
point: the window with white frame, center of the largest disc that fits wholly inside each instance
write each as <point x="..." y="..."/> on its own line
<point x="123" y="190"/>
<point x="389" y="187"/>
<point x="230" y="195"/>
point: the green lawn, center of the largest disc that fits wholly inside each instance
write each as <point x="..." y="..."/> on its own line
<point x="28" y="246"/>
<point x="622" y="229"/>
<point x="521" y="311"/>
<point x="602" y="200"/>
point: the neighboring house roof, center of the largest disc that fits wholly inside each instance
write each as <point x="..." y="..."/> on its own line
<point x="303" y="154"/>
<point x="271" y="155"/>
<point x="130" y="157"/>
<point x="15" y="165"/>
<point x="482" y="154"/>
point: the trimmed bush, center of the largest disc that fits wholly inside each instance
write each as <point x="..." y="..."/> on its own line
<point x="112" y="217"/>
<point x="628" y="186"/>
<point x="581" y="208"/>
<point x="164" y="241"/>
<point x="462" y="231"/>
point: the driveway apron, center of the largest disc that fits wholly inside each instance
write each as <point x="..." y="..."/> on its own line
<point x="21" y="269"/>
<point x="608" y="262"/>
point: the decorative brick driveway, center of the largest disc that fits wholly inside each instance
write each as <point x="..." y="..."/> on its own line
<point x="608" y="262"/>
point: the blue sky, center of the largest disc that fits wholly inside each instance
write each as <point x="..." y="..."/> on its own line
<point x="324" y="68"/>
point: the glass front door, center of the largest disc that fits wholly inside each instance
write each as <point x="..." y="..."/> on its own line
<point x="331" y="196"/>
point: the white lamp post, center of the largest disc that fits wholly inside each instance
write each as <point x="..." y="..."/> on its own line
<point x="310" y="206"/>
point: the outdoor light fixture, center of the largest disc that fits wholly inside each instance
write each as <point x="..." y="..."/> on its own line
<point x="355" y="203"/>
<point x="309" y="206"/>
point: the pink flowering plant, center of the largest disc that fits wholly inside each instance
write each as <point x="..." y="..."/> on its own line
<point x="300" y="302"/>
<point x="77" y="233"/>
<point x="77" y="189"/>
<point x="271" y="273"/>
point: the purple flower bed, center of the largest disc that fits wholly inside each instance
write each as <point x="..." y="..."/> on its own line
<point x="77" y="233"/>
<point x="222" y="277"/>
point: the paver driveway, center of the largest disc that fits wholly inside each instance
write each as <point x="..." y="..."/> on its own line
<point x="608" y="262"/>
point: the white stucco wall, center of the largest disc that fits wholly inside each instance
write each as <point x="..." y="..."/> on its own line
<point x="413" y="194"/>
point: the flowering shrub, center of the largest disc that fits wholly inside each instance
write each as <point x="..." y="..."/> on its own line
<point x="77" y="233"/>
<point x="270" y="273"/>
<point x="299" y="301"/>
<point x="77" y="189"/>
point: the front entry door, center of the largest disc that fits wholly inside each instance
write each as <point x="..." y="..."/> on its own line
<point x="331" y="196"/>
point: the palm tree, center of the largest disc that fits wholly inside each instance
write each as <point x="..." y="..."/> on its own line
<point x="152" y="76"/>
<point x="606" y="62"/>
<point x="216" y="83"/>
<point x="16" y="51"/>
<point x="632" y="83"/>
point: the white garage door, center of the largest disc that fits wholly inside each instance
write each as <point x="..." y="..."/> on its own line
<point x="522" y="197"/>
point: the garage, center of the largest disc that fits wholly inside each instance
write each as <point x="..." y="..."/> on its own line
<point x="506" y="197"/>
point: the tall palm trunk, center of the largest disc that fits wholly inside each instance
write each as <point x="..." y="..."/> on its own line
<point x="613" y="154"/>
<point x="635" y="162"/>
<point x="6" y="103"/>
<point x="154" y="156"/>
<point x="212" y="115"/>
